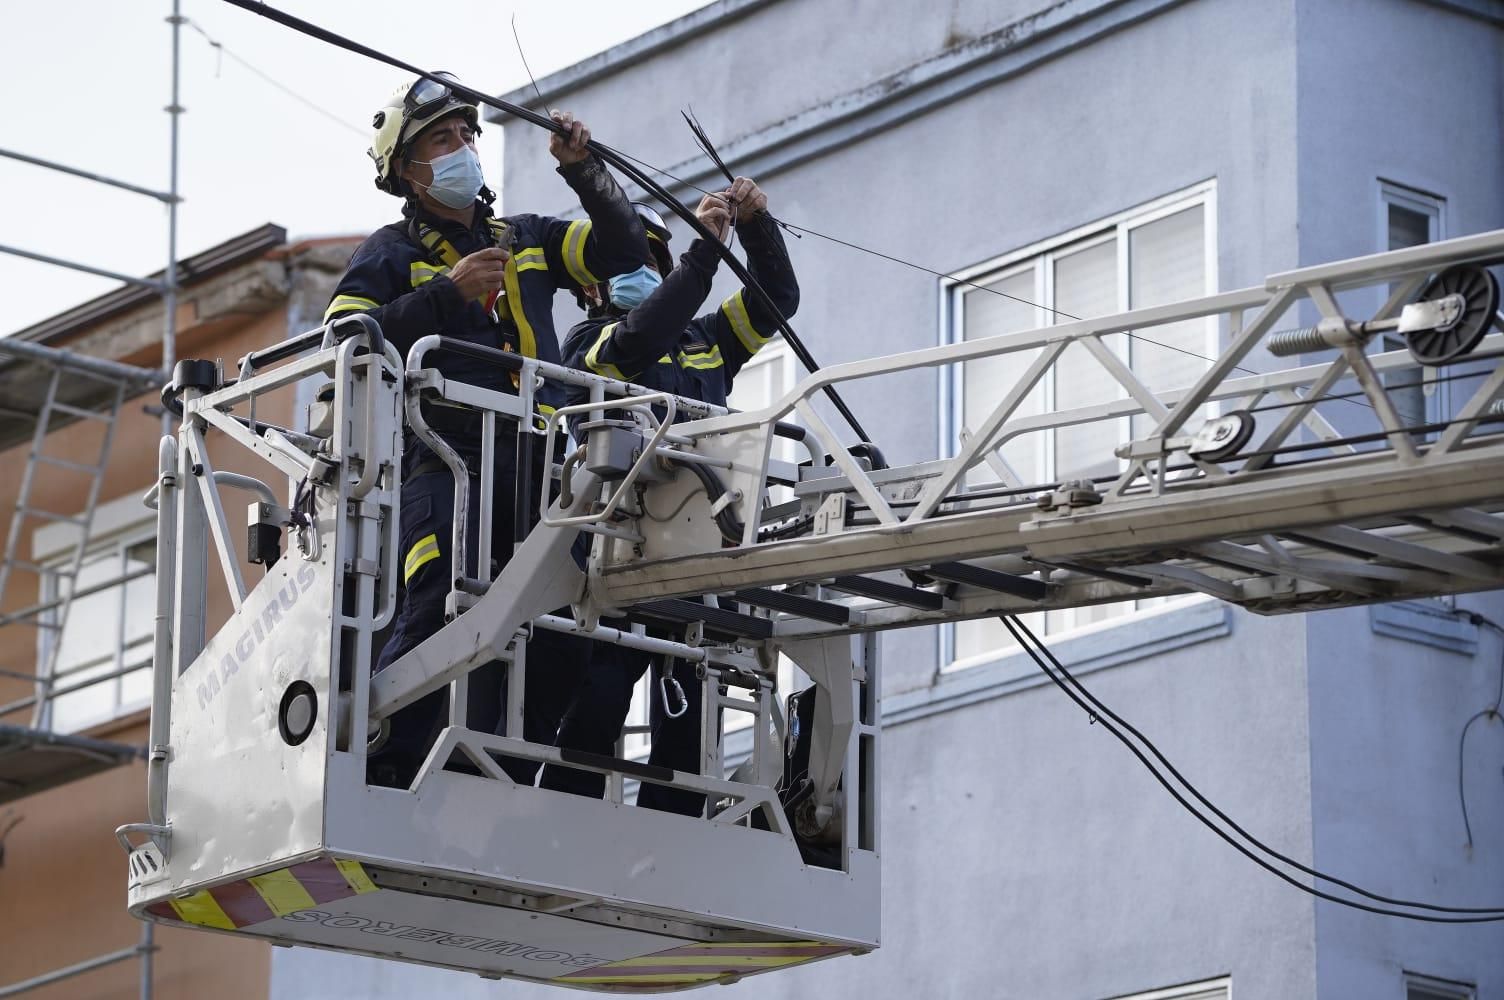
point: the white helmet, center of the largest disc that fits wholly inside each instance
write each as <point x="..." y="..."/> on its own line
<point x="407" y="112"/>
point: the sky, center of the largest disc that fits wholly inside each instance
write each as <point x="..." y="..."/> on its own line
<point x="89" y="80"/>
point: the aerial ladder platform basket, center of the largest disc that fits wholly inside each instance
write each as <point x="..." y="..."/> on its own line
<point x="1276" y="488"/>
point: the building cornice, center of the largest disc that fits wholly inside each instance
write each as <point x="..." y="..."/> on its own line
<point x="628" y="53"/>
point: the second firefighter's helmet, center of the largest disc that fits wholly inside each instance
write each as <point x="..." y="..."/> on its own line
<point x="658" y="236"/>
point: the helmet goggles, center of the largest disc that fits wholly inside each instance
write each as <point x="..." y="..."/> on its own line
<point x="425" y="97"/>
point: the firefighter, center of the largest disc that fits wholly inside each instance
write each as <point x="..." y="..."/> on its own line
<point x="451" y="267"/>
<point x="643" y="329"/>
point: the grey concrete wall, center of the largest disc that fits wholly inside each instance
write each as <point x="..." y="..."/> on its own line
<point x="1411" y="93"/>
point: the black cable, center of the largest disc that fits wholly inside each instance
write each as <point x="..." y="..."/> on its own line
<point x="1100" y="713"/>
<point x="601" y="150"/>
<point x="1490" y="712"/>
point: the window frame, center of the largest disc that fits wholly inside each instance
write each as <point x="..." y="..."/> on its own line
<point x="1451" y="989"/>
<point x="1041" y="256"/>
<point x="119" y="525"/>
<point x="1183" y="991"/>
<point x="1437" y="404"/>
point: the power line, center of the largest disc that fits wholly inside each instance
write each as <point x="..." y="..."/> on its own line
<point x="220" y="49"/>
<point x="1100" y="713"/>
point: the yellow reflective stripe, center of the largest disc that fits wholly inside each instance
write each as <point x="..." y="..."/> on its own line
<point x="419" y="273"/>
<point x="348" y="303"/>
<point x="592" y="356"/>
<point x="530" y="255"/>
<point x="282" y="891"/>
<point x="201" y="908"/>
<point x="519" y="316"/>
<point x="355" y="875"/>
<point x="709" y="359"/>
<point x="735" y="309"/>
<point x="425" y="550"/>
<point x="574" y="252"/>
<point x="532" y="265"/>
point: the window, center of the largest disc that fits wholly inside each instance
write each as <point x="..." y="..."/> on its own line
<point x="1409" y="218"/>
<point x="1209" y="989"/>
<point x="1419" y="987"/>
<point x="104" y="651"/>
<point x="1160" y="253"/>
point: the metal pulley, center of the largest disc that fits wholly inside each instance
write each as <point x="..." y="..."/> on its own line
<point x="1474" y="293"/>
<point x="1445" y="322"/>
<point x="1222" y="437"/>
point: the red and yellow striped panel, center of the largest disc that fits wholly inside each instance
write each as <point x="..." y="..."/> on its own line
<point x="700" y="963"/>
<point x="273" y="894"/>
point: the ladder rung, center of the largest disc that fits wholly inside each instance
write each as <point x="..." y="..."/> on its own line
<point x="795" y="604"/>
<point x="64" y="463"/>
<point x="32" y="567"/>
<point x="47" y="515"/>
<point x="719" y="622"/>
<point x="1004" y="583"/>
<point x="81" y="413"/>
<point x="882" y="590"/>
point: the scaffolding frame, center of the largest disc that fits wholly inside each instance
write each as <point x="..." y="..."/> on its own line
<point x="65" y="364"/>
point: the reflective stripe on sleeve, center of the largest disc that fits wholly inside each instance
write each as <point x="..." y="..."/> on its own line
<point x="574" y="252"/>
<point x="702" y="361"/>
<point x="592" y="357"/>
<point x="735" y="309"/>
<point x="530" y="259"/>
<point x="425" y="550"/>
<point x="348" y="303"/>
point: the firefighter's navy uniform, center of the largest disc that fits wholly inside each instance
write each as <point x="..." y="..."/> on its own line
<point x="660" y="345"/>
<point x="399" y="277"/>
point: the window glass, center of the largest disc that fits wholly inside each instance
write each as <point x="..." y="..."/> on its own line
<point x="106" y="633"/>
<point x="1134" y="262"/>
<point x="999" y="307"/>
<point x="1086" y="287"/>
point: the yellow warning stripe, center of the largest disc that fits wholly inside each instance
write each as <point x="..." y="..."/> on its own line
<point x="283" y="893"/>
<point x="356" y="875"/>
<point x="200" y="908"/>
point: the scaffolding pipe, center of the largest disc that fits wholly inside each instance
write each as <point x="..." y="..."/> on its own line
<point x="26" y="985"/>
<point x="86" y="175"/>
<point x="170" y="276"/>
<point x="104" y="368"/>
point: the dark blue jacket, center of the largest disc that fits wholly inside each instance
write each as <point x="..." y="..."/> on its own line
<point x="399" y="276"/>
<point x="662" y="346"/>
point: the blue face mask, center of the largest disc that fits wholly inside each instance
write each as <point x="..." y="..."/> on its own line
<point x="630" y="290"/>
<point x="457" y="177"/>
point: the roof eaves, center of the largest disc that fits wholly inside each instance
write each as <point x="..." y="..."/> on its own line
<point x="191" y="270"/>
